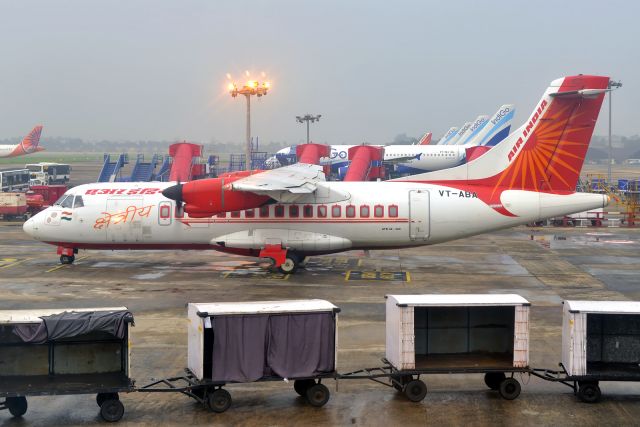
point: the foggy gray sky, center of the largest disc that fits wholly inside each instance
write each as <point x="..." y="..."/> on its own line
<point x="156" y="69"/>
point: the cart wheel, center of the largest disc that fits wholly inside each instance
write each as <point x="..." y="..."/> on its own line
<point x="415" y="390"/>
<point x="112" y="410"/>
<point x="318" y="395"/>
<point x="589" y="392"/>
<point x="102" y="397"/>
<point x="219" y="401"/>
<point x="17" y="405"/>
<point x="301" y="386"/>
<point x="509" y="388"/>
<point x="493" y="379"/>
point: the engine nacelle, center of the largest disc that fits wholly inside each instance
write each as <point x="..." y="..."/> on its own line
<point x="208" y="197"/>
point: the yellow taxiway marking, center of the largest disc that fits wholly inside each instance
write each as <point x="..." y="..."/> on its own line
<point x="15" y="263"/>
<point x="58" y="267"/>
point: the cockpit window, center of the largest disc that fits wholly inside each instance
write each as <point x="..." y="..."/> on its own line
<point x="78" y="203"/>
<point x="68" y="202"/>
<point x="61" y="199"/>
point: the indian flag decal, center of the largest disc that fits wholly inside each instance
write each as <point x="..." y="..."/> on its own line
<point x="66" y="215"/>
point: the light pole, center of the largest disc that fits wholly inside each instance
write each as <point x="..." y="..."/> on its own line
<point x="612" y="85"/>
<point x="252" y="87"/>
<point x="308" y="118"/>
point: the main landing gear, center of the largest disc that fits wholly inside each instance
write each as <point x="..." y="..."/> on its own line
<point x="67" y="255"/>
<point x="286" y="261"/>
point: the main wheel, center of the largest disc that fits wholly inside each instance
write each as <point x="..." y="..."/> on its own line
<point x="415" y="390"/>
<point x="301" y="386"/>
<point x="290" y="264"/>
<point x="318" y="395"/>
<point x="509" y="388"/>
<point x="111" y="410"/>
<point x="67" y="259"/>
<point x="17" y="405"/>
<point x="101" y="397"/>
<point x="589" y="392"/>
<point x="219" y="401"/>
<point x="493" y="379"/>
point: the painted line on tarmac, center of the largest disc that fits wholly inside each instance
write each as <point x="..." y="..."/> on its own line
<point x="15" y="263"/>
<point x="58" y="267"/>
<point x="389" y="276"/>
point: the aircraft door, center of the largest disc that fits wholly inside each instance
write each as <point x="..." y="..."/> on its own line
<point x="419" y="214"/>
<point x="165" y="210"/>
<point x="125" y="217"/>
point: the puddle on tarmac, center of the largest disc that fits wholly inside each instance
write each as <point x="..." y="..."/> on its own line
<point x="149" y="276"/>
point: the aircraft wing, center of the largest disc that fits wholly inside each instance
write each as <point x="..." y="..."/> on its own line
<point x="299" y="178"/>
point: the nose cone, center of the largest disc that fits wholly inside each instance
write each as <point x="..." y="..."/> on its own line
<point x="174" y="192"/>
<point x="29" y="227"/>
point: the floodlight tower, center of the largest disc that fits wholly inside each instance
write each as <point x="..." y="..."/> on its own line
<point x="308" y="118"/>
<point x="250" y="88"/>
<point x="612" y="85"/>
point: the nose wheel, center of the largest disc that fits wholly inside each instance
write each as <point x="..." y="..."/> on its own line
<point x="67" y="259"/>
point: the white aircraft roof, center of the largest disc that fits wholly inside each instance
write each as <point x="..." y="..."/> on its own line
<point x="613" y="307"/>
<point x="33" y="316"/>
<point x="257" y="307"/>
<point x="458" y="300"/>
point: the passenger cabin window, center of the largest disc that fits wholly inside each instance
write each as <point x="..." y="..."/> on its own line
<point x="264" y="211"/>
<point x="294" y="211"/>
<point x="322" y="211"/>
<point x="307" y="211"/>
<point x="78" y="203"/>
<point x="235" y="214"/>
<point x="165" y="211"/>
<point x="250" y="213"/>
<point x="393" y="211"/>
<point x="364" y="211"/>
<point x="350" y="211"/>
<point x="336" y="211"/>
<point x="279" y="211"/>
<point x="378" y="211"/>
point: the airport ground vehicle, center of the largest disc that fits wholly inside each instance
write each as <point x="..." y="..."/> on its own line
<point x="65" y="352"/>
<point x="46" y="173"/>
<point x="13" y="205"/>
<point x="14" y="180"/>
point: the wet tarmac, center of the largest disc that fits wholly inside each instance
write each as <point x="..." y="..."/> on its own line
<point x="543" y="265"/>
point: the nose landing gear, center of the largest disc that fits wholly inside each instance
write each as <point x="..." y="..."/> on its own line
<point x="67" y="255"/>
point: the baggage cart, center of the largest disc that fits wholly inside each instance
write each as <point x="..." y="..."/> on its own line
<point x="243" y="342"/>
<point x="65" y="352"/>
<point x="453" y="334"/>
<point x="600" y="342"/>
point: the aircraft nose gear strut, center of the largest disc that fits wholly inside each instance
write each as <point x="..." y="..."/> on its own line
<point x="67" y="255"/>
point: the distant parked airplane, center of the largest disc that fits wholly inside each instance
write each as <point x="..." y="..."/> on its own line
<point x="28" y="145"/>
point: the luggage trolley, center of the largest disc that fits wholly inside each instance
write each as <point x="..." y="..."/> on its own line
<point x="246" y="342"/>
<point x="65" y="352"/>
<point x="600" y="342"/>
<point x="453" y="334"/>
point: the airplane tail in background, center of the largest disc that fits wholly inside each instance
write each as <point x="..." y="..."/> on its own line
<point x="545" y="154"/>
<point x="426" y="139"/>
<point x="454" y="140"/>
<point x="496" y="129"/>
<point x="30" y="142"/>
<point x="478" y="124"/>
<point x="447" y="136"/>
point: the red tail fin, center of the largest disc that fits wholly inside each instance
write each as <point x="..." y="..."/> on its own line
<point x="30" y="142"/>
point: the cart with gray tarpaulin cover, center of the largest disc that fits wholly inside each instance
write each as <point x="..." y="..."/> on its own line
<point x="600" y="342"/>
<point x="243" y="342"/>
<point x="439" y="334"/>
<point x="64" y="352"/>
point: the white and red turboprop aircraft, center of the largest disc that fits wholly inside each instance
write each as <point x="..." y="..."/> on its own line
<point x="28" y="145"/>
<point x="289" y="213"/>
